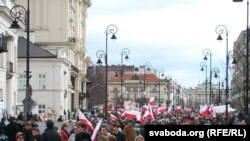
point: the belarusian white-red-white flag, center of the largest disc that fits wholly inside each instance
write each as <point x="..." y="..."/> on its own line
<point x="83" y="119"/>
<point x="152" y="101"/>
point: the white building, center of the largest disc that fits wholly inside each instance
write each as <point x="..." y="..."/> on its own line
<point x="8" y="60"/>
<point x="57" y="55"/>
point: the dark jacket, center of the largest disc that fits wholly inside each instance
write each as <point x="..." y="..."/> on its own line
<point x="50" y="135"/>
<point x="82" y="137"/>
<point x="37" y="137"/>
<point x="11" y="130"/>
<point x="28" y="134"/>
<point x="120" y="136"/>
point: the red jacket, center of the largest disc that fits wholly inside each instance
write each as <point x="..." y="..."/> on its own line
<point x="64" y="135"/>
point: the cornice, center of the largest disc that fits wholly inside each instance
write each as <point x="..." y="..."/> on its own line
<point x="52" y="43"/>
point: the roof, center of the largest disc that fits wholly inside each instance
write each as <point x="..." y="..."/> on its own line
<point x="35" y="51"/>
<point x="148" y="77"/>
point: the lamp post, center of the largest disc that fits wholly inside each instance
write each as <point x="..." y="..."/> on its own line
<point x="220" y="30"/>
<point x="204" y="65"/>
<point x="168" y="80"/>
<point x="207" y="52"/>
<point x="126" y="52"/>
<point x="19" y="13"/>
<point x="247" y="57"/>
<point x="161" y="74"/>
<point x="111" y="29"/>
<point x="216" y="72"/>
<point x="147" y="66"/>
<point x="174" y="83"/>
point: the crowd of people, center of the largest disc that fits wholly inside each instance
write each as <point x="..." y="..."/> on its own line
<point x="119" y="128"/>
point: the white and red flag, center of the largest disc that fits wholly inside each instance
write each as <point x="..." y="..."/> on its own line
<point x="83" y="119"/>
<point x="144" y="108"/>
<point x="179" y="109"/>
<point x="161" y="110"/>
<point x="113" y="117"/>
<point x="44" y="116"/>
<point x="152" y="101"/>
<point x="97" y="128"/>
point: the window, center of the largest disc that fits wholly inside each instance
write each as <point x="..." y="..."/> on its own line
<point x="41" y="108"/>
<point x="115" y="94"/>
<point x="135" y="95"/>
<point x="141" y="94"/>
<point x="127" y="95"/>
<point x="22" y="81"/>
<point x="42" y="81"/>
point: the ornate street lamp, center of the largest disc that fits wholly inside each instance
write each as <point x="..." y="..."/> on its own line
<point x="216" y="72"/>
<point x="161" y="74"/>
<point x="203" y="66"/>
<point x="125" y="52"/>
<point x="111" y="29"/>
<point x="19" y="13"/>
<point x="220" y="30"/>
<point x="207" y="52"/>
<point x="146" y="67"/>
<point x="168" y="79"/>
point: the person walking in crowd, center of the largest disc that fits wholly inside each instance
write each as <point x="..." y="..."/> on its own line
<point x="129" y="131"/>
<point x="104" y="131"/>
<point x="64" y="133"/>
<point x="81" y="132"/>
<point x="119" y="135"/>
<point x="2" y="126"/>
<point x="12" y="129"/>
<point x="27" y="131"/>
<point x="139" y="138"/>
<point x="102" y="138"/>
<point x="73" y="135"/>
<point x="36" y="134"/>
<point x="112" y="138"/>
<point x="20" y="116"/>
<point x="50" y="134"/>
<point x="60" y="119"/>
<point x="19" y="136"/>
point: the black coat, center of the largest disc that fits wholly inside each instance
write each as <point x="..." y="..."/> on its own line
<point x="11" y="130"/>
<point x="28" y="134"/>
<point x="120" y="136"/>
<point x="82" y="137"/>
<point x="51" y="135"/>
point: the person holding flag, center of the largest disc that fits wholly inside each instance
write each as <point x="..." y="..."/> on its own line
<point x="84" y="120"/>
<point x="81" y="134"/>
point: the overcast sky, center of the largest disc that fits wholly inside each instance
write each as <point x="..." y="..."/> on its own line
<point x="170" y="34"/>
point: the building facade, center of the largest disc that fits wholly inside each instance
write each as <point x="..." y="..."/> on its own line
<point x="195" y="97"/>
<point x="134" y="86"/>
<point x="8" y="60"/>
<point x="239" y="76"/>
<point x="58" y="27"/>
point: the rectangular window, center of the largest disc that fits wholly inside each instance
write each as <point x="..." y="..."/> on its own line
<point x="41" y="108"/>
<point x="135" y="95"/>
<point x="42" y="81"/>
<point x="115" y="95"/>
<point x="128" y="97"/>
<point x="22" y="81"/>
